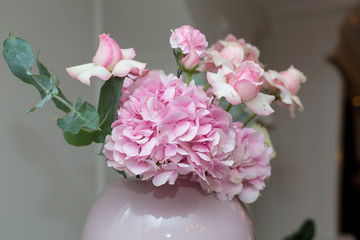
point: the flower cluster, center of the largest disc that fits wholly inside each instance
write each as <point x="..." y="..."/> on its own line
<point x="165" y="127"/>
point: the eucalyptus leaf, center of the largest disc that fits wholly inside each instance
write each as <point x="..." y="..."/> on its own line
<point x="54" y="91"/>
<point x="108" y="104"/>
<point x="83" y="115"/>
<point x="42" y="69"/>
<point x="20" y="58"/>
<point x="82" y="138"/>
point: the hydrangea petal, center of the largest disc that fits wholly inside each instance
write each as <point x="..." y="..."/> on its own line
<point x="249" y="195"/>
<point x="161" y="178"/>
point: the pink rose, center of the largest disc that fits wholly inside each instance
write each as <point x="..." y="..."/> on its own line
<point x="230" y="52"/>
<point x="286" y="84"/>
<point x="109" y="60"/>
<point x="188" y="39"/>
<point x="242" y="85"/>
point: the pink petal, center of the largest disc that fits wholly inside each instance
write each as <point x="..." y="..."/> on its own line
<point x="173" y="117"/>
<point x="137" y="167"/>
<point x="124" y="67"/>
<point x="131" y="149"/>
<point x="147" y="148"/>
<point x="169" y="94"/>
<point x="104" y="54"/>
<point x="161" y="178"/>
<point x="117" y="54"/>
<point x="170" y="150"/>
<point x="249" y="195"/>
<point x="128" y="54"/>
<point x="189" y="135"/>
<point x="181" y="128"/>
<point x="261" y="104"/>
<point x="84" y="72"/>
<point x="222" y="89"/>
<point x="247" y="89"/>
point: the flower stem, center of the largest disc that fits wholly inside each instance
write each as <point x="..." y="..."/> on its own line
<point x="228" y="107"/>
<point x="249" y="119"/>
<point x="179" y="71"/>
<point x="188" y="78"/>
<point x="207" y="86"/>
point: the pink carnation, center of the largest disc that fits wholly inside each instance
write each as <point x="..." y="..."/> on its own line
<point x="246" y="177"/>
<point x="189" y="39"/>
<point x="166" y="128"/>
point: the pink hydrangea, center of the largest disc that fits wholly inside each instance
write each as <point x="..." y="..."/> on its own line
<point x="246" y="177"/>
<point x="166" y="128"/>
<point x="287" y="84"/>
<point x="189" y="39"/>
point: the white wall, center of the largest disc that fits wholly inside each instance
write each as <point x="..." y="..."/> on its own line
<point x="46" y="186"/>
<point x="304" y="181"/>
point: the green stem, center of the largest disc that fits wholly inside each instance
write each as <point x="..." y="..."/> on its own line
<point x="179" y="71"/>
<point x="207" y="86"/>
<point x="249" y="119"/>
<point x="228" y="107"/>
<point x="65" y="102"/>
<point x="188" y="78"/>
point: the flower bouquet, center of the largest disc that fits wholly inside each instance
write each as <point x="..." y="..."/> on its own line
<point x="199" y="123"/>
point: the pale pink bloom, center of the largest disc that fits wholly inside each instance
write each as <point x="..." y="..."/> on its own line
<point x="251" y="167"/>
<point x="230" y="52"/>
<point x="191" y="60"/>
<point x="242" y="85"/>
<point x="189" y="39"/>
<point x="165" y="128"/>
<point x="287" y="84"/>
<point x="109" y="60"/>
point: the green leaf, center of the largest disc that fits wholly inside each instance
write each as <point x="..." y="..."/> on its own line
<point x="20" y="58"/>
<point x="108" y="104"/>
<point x="83" y="138"/>
<point x="306" y="232"/>
<point x="42" y="69"/>
<point x="83" y="115"/>
<point x="54" y="91"/>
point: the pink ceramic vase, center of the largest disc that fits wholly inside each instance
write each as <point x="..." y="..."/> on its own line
<point x="132" y="209"/>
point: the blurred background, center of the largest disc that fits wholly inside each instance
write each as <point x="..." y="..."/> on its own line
<point x="47" y="187"/>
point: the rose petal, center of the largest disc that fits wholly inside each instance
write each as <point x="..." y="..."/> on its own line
<point x="84" y="72"/>
<point x="117" y="54"/>
<point x="222" y="89"/>
<point x="104" y="54"/>
<point x="128" y="54"/>
<point x="261" y="104"/>
<point x="124" y="67"/>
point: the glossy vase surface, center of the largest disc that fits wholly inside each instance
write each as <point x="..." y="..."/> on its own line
<point x="136" y="210"/>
